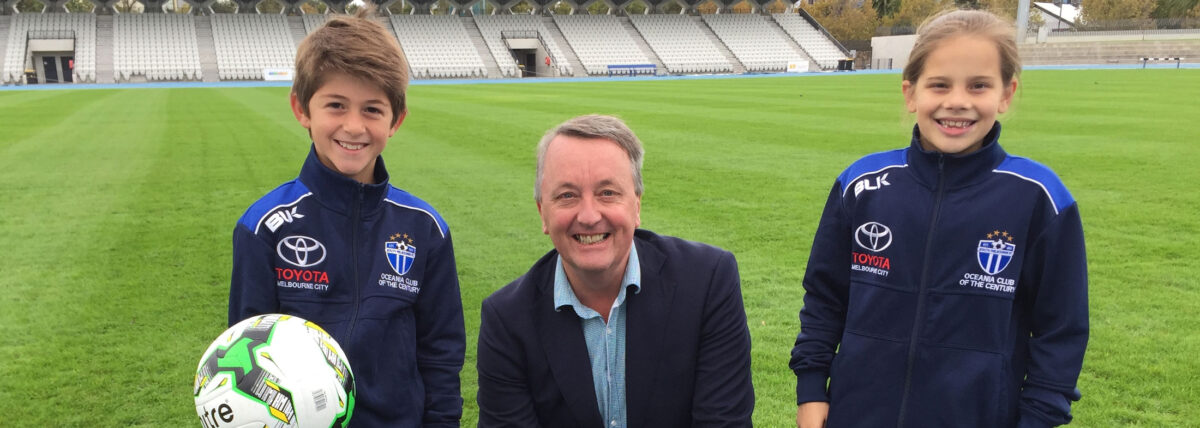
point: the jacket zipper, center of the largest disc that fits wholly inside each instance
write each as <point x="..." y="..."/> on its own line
<point x="916" y="330"/>
<point x="354" y="222"/>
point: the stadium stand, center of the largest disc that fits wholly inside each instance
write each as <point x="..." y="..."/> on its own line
<point x="437" y="46"/>
<point x="314" y="21"/>
<point x="600" y="41"/>
<point x="818" y="46"/>
<point x="491" y="26"/>
<point x="246" y="44"/>
<point x="681" y="44"/>
<point x="81" y="25"/>
<point x="157" y="46"/>
<point x="752" y="40"/>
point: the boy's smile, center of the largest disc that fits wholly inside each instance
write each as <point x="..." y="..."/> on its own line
<point x="350" y="123"/>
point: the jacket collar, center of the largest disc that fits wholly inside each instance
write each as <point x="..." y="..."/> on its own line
<point x="959" y="170"/>
<point x="340" y="193"/>
<point x="566" y="351"/>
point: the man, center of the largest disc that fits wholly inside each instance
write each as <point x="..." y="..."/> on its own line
<point x="616" y="326"/>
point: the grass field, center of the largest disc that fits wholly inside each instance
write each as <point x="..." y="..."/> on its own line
<point x="117" y="207"/>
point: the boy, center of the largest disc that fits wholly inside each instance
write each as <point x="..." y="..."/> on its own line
<point x="370" y="263"/>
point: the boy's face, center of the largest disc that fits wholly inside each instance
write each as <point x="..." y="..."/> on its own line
<point x="349" y="121"/>
<point x="958" y="95"/>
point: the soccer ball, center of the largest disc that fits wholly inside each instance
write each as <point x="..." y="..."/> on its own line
<point x="274" y="371"/>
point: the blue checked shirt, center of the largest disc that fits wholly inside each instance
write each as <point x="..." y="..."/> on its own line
<point x="605" y="343"/>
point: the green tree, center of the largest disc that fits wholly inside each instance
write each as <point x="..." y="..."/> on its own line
<point x="30" y="6"/>
<point x="522" y="8"/>
<point x="843" y="19"/>
<point x="316" y="7"/>
<point x="1167" y="9"/>
<point x="885" y="7"/>
<point x="222" y="6"/>
<point x="80" y="6"/>
<point x="912" y="13"/>
<point x="635" y="8"/>
<point x="270" y="6"/>
<point x="1117" y="14"/>
<point x="672" y="8"/>
<point x="597" y="8"/>
<point x="561" y="8"/>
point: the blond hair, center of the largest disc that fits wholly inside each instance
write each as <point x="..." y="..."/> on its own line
<point x="954" y="23"/>
<point x="356" y="46"/>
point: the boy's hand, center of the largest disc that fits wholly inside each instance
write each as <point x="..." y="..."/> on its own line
<point x="812" y="414"/>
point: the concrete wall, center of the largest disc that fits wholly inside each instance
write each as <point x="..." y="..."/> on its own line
<point x="895" y="48"/>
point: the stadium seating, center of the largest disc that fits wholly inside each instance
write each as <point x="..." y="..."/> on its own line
<point x="600" y="40"/>
<point x="491" y="27"/>
<point x="752" y="40"/>
<point x="314" y="21"/>
<point x="814" y="42"/>
<point x="246" y="44"/>
<point x="155" y="45"/>
<point x="82" y="24"/>
<point x="437" y="46"/>
<point x="681" y="44"/>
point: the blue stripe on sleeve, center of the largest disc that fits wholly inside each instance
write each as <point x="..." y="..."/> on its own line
<point x="404" y="199"/>
<point x="286" y="194"/>
<point x="869" y="164"/>
<point x="1030" y="170"/>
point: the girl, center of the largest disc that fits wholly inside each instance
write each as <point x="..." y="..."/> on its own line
<point x="947" y="285"/>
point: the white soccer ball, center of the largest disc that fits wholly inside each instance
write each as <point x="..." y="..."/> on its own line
<point x="274" y="371"/>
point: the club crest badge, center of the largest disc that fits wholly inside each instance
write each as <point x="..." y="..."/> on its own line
<point x="400" y="252"/>
<point x="995" y="252"/>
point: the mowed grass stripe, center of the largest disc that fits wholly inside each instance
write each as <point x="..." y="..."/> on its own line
<point x="745" y="164"/>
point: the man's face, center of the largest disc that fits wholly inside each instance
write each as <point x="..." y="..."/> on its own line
<point x="350" y="123"/>
<point x="588" y="205"/>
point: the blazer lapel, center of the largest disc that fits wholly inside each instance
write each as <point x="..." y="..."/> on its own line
<point x="645" y="330"/>
<point x="561" y="337"/>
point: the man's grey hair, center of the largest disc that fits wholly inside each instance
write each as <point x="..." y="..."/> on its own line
<point x="593" y="126"/>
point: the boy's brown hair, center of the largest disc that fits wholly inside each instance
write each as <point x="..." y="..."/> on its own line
<point x="357" y="46"/>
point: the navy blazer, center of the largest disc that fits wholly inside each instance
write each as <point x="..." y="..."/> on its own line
<point x="687" y="361"/>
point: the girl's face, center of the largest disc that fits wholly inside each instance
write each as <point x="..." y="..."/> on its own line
<point x="958" y="94"/>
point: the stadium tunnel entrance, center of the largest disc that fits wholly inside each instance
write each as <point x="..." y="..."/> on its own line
<point x="51" y="57"/>
<point x="529" y="53"/>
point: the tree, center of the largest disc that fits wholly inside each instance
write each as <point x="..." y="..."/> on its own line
<point x="885" y="7"/>
<point x="221" y="6"/>
<point x="777" y="6"/>
<point x="843" y="19"/>
<point x="1167" y="9"/>
<point x="912" y="13"/>
<point x="1117" y="13"/>
<point x="315" y="7"/>
<point x="30" y="6"/>
<point x="270" y="7"/>
<point x="80" y="6"/>
<point x="635" y="7"/>
<point x="597" y="8"/>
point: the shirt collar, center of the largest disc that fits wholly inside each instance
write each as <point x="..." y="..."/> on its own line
<point x="565" y="296"/>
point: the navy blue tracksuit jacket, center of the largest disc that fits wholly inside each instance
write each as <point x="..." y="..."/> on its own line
<point x="373" y="266"/>
<point x="945" y="291"/>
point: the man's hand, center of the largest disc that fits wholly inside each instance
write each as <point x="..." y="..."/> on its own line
<point x="812" y="414"/>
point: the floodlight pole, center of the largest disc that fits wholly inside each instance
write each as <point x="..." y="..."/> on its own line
<point x="1022" y="20"/>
